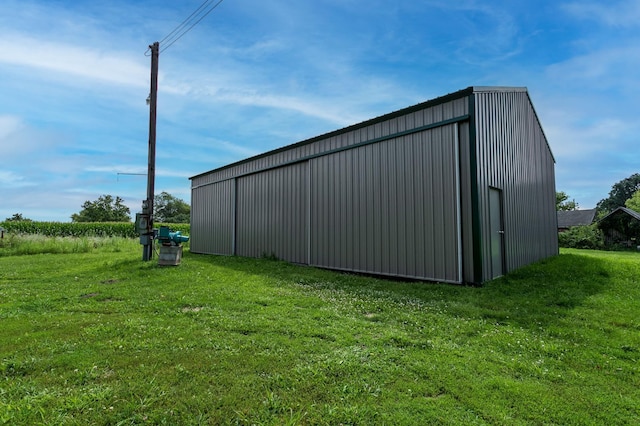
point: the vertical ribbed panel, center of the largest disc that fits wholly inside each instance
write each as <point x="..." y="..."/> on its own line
<point x="212" y="218"/>
<point x="513" y="155"/>
<point x="272" y="214"/>
<point x="389" y="208"/>
<point x="350" y="136"/>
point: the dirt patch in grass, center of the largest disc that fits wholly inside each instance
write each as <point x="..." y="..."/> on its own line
<point x="192" y="309"/>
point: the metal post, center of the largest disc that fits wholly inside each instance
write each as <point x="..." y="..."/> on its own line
<point x="147" y="205"/>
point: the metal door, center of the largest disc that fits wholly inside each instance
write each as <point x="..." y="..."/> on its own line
<point x="497" y="232"/>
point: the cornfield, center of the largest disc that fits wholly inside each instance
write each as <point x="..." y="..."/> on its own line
<point x="81" y="229"/>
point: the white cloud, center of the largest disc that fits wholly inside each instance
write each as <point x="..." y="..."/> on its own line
<point x="18" y="139"/>
<point x="293" y="103"/>
<point x="592" y="151"/>
<point x="605" y="67"/>
<point x="9" y="179"/>
<point x="8" y="125"/>
<point x="73" y="60"/>
<point x="625" y="13"/>
<point x="236" y="149"/>
<point x="574" y="141"/>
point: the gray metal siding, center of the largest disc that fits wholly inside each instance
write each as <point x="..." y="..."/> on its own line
<point x="272" y="214"/>
<point x="212" y="218"/>
<point x="352" y="135"/>
<point x="389" y="208"/>
<point x="513" y="155"/>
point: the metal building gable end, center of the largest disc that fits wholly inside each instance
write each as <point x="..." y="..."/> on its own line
<point x="496" y="89"/>
<point x="512" y="155"/>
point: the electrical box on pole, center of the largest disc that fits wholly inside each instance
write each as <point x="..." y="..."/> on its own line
<point x="144" y="221"/>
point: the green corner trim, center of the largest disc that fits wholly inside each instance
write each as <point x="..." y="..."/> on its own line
<point x="476" y="227"/>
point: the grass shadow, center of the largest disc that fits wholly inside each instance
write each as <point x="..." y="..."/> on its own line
<point x="533" y="296"/>
<point x="541" y="293"/>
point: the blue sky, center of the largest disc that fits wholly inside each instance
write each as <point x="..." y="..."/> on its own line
<point x="256" y="75"/>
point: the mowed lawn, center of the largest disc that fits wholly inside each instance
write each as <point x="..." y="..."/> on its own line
<point x="104" y="338"/>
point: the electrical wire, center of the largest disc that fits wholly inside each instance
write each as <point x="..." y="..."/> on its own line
<point x="185" y="26"/>
<point x="183" y="23"/>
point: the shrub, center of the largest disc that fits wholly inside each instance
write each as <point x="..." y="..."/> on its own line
<point x="582" y="237"/>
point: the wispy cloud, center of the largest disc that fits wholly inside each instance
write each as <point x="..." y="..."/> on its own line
<point x="270" y="100"/>
<point x="12" y="180"/>
<point x="236" y="149"/>
<point x="603" y="67"/>
<point x="18" y="139"/>
<point x="71" y="60"/>
<point x="579" y="142"/>
<point x="8" y="125"/>
<point x="491" y="35"/>
<point x="625" y="13"/>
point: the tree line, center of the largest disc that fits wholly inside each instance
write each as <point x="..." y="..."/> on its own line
<point x="166" y="209"/>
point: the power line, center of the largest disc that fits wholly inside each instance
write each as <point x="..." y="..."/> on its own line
<point x="199" y="16"/>
<point x="184" y="23"/>
<point x="191" y="21"/>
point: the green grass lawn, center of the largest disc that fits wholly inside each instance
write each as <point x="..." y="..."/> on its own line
<point x="100" y="337"/>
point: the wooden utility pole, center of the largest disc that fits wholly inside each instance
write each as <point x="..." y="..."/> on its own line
<point x="146" y="239"/>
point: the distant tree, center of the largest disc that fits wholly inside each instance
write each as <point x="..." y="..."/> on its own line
<point x="170" y="209"/>
<point x="563" y="203"/>
<point x="17" y="217"/>
<point x="104" y="209"/>
<point x="620" y="193"/>
<point x="633" y="203"/>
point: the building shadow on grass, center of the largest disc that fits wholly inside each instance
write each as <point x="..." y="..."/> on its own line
<point x="540" y="294"/>
<point x="534" y="296"/>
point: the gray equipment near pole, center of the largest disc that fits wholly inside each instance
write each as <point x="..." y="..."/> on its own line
<point x="146" y="238"/>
